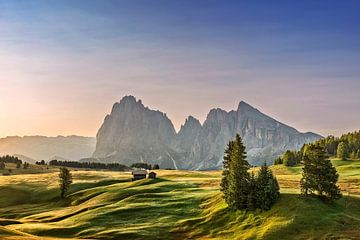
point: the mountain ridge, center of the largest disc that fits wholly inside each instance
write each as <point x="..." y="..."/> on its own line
<point x="135" y="133"/>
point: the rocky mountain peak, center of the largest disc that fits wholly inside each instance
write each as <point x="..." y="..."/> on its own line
<point x="245" y="107"/>
<point x="135" y="133"/>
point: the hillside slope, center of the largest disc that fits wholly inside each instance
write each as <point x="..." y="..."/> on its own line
<point x="178" y="205"/>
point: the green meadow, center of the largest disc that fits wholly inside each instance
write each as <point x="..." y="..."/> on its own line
<point x="176" y="205"/>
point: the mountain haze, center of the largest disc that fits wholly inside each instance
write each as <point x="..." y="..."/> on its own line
<point x="36" y="148"/>
<point x="134" y="133"/>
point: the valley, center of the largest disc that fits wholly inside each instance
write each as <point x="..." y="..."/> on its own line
<point x="178" y="204"/>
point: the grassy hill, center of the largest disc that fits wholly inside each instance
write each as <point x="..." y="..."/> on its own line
<point x="177" y="205"/>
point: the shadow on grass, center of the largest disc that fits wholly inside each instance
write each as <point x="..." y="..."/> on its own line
<point x="294" y="216"/>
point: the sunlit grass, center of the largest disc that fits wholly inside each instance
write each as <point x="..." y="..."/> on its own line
<point x="177" y="205"/>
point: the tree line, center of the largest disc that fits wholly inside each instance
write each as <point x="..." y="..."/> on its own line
<point x="345" y="147"/>
<point x="145" y="166"/>
<point x="90" y="165"/>
<point x="10" y="159"/>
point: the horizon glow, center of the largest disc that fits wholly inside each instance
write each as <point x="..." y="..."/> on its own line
<point x="64" y="64"/>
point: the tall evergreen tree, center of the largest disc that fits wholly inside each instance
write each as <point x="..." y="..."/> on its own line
<point x="268" y="190"/>
<point x="2" y="165"/>
<point x="65" y="180"/>
<point x="341" y="151"/>
<point x="238" y="176"/>
<point x="319" y="176"/>
<point x="225" y="174"/>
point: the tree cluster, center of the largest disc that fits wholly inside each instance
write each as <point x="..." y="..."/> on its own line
<point x="344" y="147"/>
<point x="42" y="162"/>
<point x="90" y="165"/>
<point x="10" y="159"/>
<point x="319" y="176"/>
<point x="145" y="166"/>
<point x="241" y="189"/>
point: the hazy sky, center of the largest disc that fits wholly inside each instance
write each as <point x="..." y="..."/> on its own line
<point x="64" y="63"/>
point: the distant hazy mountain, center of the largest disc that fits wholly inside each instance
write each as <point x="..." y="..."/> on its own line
<point x="35" y="148"/>
<point x="134" y="133"/>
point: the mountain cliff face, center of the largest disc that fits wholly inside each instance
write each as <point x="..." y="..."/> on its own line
<point x="134" y="133"/>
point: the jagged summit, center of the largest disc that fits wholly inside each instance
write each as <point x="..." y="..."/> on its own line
<point x="245" y="106"/>
<point x="134" y="133"/>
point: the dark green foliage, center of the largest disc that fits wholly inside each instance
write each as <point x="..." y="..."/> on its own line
<point x="241" y="189"/>
<point x="290" y="158"/>
<point x="2" y="165"/>
<point x="319" y="176"/>
<point x="353" y="155"/>
<point x="238" y="176"/>
<point x="342" y="151"/>
<point x="90" y="165"/>
<point x="141" y="165"/>
<point x="278" y="161"/>
<point x="18" y="165"/>
<point x="42" y="162"/>
<point x="268" y="190"/>
<point x="65" y="180"/>
<point x="156" y="166"/>
<point x="225" y="173"/>
<point x="348" y="145"/>
<point x="10" y="159"/>
<point x="26" y="165"/>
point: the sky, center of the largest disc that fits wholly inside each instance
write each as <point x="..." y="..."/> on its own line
<point x="63" y="64"/>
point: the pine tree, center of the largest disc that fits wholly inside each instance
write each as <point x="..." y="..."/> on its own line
<point x="341" y="151"/>
<point x="2" y="165"/>
<point x="18" y="165"/>
<point x="225" y="173"/>
<point x="319" y="176"/>
<point x="238" y="176"/>
<point x="252" y="198"/>
<point x="353" y="154"/>
<point x="65" y="179"/>
<point x="268" y="190"/>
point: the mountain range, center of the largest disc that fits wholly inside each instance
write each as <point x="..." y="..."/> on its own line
<point x="36" y="148"/>
<point x="134" y="133"/>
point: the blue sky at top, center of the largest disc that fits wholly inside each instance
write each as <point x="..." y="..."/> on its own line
<point x="295" y="60"/>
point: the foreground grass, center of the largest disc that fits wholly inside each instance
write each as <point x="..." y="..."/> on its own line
<point x="177" y="205"/>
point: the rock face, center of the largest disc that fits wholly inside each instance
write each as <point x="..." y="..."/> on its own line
<point x="134" y="133"/>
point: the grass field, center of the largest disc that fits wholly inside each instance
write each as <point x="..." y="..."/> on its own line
<point x="177" y="205"/>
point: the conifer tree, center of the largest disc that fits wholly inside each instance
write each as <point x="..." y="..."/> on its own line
<point x="319" y="176"/>
<point x="2" y="165"/>
<point x="268" y="189"/>
<point x="253" y="198"/>
<point x="65" y="179"/>
<point x="341" y="151"/>
<point x="238" y="176"/>
<point x="225" y="173"/>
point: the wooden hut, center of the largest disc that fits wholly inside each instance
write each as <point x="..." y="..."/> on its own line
<point x="139" y="174"/>
<point x="152" y="175"/>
